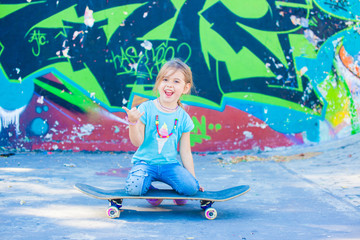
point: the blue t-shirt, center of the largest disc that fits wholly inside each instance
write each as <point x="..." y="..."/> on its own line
<point x="157" y="150"/>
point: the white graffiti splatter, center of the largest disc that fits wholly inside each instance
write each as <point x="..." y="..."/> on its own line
<point x="10" y="117"/>
<point x="40" y="100"/>
<point x="311" y="37"/>
<point x="260" y="125"/>
<point x="303" y="70"/>
<point x="248" y="135"/>
<point x="147" y="45"/>
<point x="84" y="130"/>
<point x="88" y="17"/>
<point x="304" y="22"/>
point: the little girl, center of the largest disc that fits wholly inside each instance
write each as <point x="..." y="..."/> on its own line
<point x="157" y="127"/>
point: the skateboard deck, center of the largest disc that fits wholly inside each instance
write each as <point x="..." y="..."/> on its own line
<point x="207" y="198"/>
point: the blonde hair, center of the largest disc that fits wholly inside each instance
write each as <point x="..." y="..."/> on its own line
<point x="175" y="64"/>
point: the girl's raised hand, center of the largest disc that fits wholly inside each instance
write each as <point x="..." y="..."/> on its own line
<point x="133" y="114"/>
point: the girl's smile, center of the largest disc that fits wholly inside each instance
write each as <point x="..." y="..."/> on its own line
<point x="169" y="93"/>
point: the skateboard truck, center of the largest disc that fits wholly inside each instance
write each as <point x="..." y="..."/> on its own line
<point x="113" y="210"/>
<point x="206" y="204"/>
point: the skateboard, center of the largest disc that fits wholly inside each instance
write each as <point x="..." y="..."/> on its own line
<point x="155" y="197"/>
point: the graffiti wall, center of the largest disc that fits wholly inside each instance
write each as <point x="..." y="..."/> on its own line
<point x="267" y="73"/>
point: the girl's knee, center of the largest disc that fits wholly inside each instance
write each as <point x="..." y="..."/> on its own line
<point x="189" y="190"/>
<point x="133" y="190"/>
<point x="135" y="183"/>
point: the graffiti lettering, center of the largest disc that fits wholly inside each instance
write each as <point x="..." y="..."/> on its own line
<point x="126" y="61"/>
<point x="130" y="59"/>
<point x="39" y="39"/>
<point x="199" y="131"/>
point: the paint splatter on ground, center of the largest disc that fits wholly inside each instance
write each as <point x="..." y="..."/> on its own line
<point x="115" y="172"/>
<point x="276" y="158"/>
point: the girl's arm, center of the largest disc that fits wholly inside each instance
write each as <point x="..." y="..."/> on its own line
<point x="186" y="155"/>
<point x="136" y="133"/>
<point x="136" y="127"/>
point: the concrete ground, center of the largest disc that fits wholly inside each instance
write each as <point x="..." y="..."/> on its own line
<point x="296" y="193"/>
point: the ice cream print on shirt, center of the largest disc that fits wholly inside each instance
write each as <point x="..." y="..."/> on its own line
<point x="161" y="141"/>
<point x="162" y="133"/>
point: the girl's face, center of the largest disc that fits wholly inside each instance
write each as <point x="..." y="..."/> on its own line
<point x="172" y="86"/>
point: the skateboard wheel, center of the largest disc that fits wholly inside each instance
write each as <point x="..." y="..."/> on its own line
<point x="180" y="202"/>
<point x="113" y="212"/>
<point x="154" y="202"/>
<point x="210" y="213"/>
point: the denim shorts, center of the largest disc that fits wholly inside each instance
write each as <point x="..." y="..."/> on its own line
<point x="175" y="175"/>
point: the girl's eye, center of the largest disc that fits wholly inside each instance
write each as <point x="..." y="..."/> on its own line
<point x="165" y="80"/>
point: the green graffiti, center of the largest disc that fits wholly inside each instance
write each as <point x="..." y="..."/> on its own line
<point x="2" y="47"/>
<point x="39" y="39"/>
<point x="73" y="96"/>
<point x="115" y="16"/>
<point x="129" y="59"/>
<point x="57" y="19"/>
<point x="199" y="133"/>
<point x="217" y="127"/>
<point x="164" y="30"/>
<point x="7" y="9"/>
